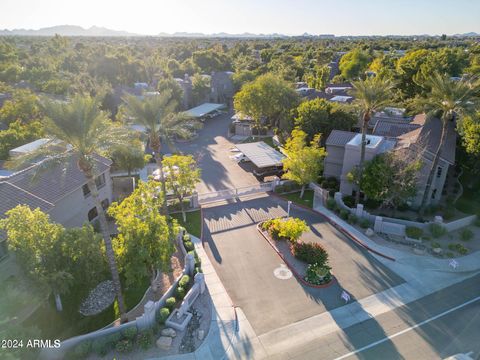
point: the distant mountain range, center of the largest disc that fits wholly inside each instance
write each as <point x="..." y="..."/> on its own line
<point x="74" y="30"/>
<point x="67" y="30"/>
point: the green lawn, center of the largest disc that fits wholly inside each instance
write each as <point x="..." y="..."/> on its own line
<point x="295" y="197"/>
<point x="70" y="322"/>
<point x="193" y="224"/>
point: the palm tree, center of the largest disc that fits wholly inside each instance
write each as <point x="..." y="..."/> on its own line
<point x="87" y="131"/>
<point x="157" y="114"/>
<point x="450" y="98"/>
<point x="371" y="95"/>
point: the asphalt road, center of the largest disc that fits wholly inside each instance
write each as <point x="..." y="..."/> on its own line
<point x="212" y="150"/>
<point x="245" y="263"/>
<point x="434" y="327"/>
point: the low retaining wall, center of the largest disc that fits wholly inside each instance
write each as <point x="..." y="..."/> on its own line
<point x="146" y="320"/>
<point x="393" y="226"/>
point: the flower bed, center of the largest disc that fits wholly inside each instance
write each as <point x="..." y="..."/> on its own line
<point x="308" y="261"/>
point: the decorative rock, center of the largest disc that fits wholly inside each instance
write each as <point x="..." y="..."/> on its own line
<point x="164" y="342"/>
<point x="437" y="250"/>
<point x="99" y="299"/>
<point x="200" y="334"/>
<point x="168" y="332"/>
<point x="369" y="232"/>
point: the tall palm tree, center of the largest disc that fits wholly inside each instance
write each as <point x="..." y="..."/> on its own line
<point x="87" y="130"/>
<point x="371" y="95"/>
<point x="157" y="113"/>
<point x="451" y="98"/>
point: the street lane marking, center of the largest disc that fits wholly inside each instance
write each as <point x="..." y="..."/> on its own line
<point x="366" y="347"/>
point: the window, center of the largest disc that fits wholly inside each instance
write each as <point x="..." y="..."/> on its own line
<point x="434" y="193"/>
<point x="100" y="181"/>
<point x="3" y="249"/>
<point x="86" y="190"/>
<point x="92" y="214"/>
<point x="439" y="171"/>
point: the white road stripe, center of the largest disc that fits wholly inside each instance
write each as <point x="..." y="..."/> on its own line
<point x="408" y="329"/>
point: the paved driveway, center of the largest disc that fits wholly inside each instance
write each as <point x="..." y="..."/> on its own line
<point x="211" y="150"/>
<point x="245" y="263"/>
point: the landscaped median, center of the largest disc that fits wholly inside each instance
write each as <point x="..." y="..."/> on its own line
<point x="307" y="261"/>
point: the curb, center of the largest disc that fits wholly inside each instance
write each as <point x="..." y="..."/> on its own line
<point x="297" y="275"/>
<point x="340" y="228"/>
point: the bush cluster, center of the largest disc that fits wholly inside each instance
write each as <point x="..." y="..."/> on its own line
<point x="290" y="229"/>
<point x="311" y="253"/>
<point x="364" y="223"/>
<point x="331" y="204"/>
<point x="184" y="281"/>
<point x="459" y="248"/>
<point x="466" y="234"/>
<point x="437" y="230"/>
<point x="317" y="274"/>
<point x="414" y="232"/>
<point x="163" y="315"/>
<point x="170" y="303"/>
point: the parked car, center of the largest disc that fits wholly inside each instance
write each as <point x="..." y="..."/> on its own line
<point x="240" y="158"/>
<point x="262" y="173"/>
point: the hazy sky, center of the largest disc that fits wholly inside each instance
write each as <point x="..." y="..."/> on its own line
<point x="339" y="17"/>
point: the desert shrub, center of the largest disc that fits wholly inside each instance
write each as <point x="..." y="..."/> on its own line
<point x="450" y="254"/>
<point x="344" y="214"/>
<point x="352" y="219"/>
<point x="82" y="350"/>
<point x="349" y="200"/>
<point x="130" y="333"/>
<point x="170" y="303"/>
<point x="466" y="234"/>
<point x="101" y="346"/>
<point x="186" y="237"/>
<point x="180" y="293"/>
<point x="124" y="346"/>
<point x="414" y="232"/>
<point x="163" y="315"/>
<point x="437" y="230"/>
<point x="317" y="274"/>
<point x="185" y="279"/>
<point x="311" y="253"/>
<point x="331" y="204"/>
<point x="144" y="340"/>
<point x="364" y="223"/>
<point x="462" y="250"/>
<point x="188" y="245"/>
<point x="292" y="229"/>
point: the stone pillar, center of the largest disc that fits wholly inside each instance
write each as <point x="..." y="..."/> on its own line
<point x="338" y="198"/>
<point x="200" y="280"/>
<point x="377" y="227"/>
<point x="359" y="210"/>
<point x="194" y="201"/>
<point x="148" y="317"/>
<point x="189" y="264"/>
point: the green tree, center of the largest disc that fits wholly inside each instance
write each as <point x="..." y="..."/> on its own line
<point x="181" y="175"/>
<point x="451" y="99"/>
<point x="268" y="98"/>
<point x="319" y="116"/>
<point x="129" y="157"/>
<point x="18" y="134"/>
<point x="157" y="114"/>
<point x="23" y="106"/>
<point x="170" y="84"/>
<point x="371" y="95"/>
<point x="303" y="163"/>
<point x="388" y="179"/>
<point x="354" y="63"/>
<point x="144" y="243"/>
<point x="407" y="69"/>
<point x="469" y="128"/>
<point x="200" y="88"/>
<point x="35" y="242"/>
<point x="318" y="78"/>
<point x="88" y="131"/>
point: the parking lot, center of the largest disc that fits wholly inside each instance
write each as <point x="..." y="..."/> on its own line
<point x="245" y="263"/>
<point x="211" y="149"/>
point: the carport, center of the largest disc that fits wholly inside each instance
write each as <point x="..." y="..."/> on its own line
<point x="204" y="109"/>
<point x="261" y="154"/>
